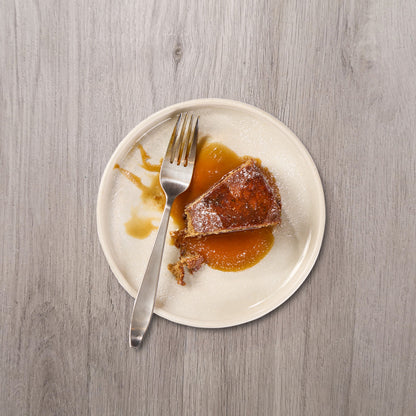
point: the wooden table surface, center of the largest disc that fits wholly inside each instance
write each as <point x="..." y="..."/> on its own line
<point x="77" y="76"/>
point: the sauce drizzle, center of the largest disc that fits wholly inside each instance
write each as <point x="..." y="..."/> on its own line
<point x="139" y="227"/>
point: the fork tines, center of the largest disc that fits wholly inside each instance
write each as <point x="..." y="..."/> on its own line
<point x="183" y="134"/>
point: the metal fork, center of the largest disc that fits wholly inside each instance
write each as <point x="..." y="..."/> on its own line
<point x="175" y="177"/>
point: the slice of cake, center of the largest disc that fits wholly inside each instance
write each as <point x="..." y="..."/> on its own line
<point x="246" y="198"/>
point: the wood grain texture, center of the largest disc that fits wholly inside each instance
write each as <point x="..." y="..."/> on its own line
<point x="77" y="76"/>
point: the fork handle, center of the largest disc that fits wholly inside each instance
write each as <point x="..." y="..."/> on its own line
<point x="145" y="299"/>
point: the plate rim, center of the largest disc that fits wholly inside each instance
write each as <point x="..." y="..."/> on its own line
<point x="149" y="123"/>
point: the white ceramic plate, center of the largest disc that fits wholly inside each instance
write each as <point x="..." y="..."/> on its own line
<point x="211" y="298"/>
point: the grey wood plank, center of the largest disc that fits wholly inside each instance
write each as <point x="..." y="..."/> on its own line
<point x="76" y="77"/>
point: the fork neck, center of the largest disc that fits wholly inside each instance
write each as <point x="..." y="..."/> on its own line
<point x="169" y="202"/>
